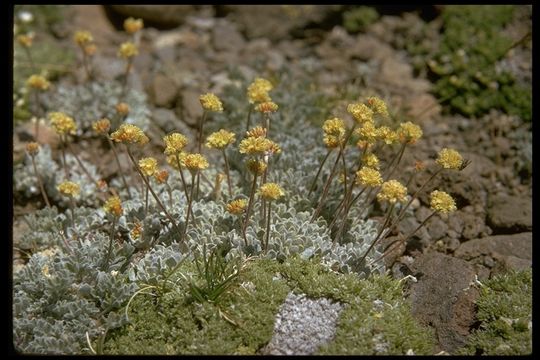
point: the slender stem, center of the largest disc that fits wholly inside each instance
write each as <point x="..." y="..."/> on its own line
<point x="326" y="188"/>
<point x="199" y="148"/>
<point x="30" y="60"/>
<point x="152" y="191"/>
<point x="41" y="187"/>
<point x="146" y="200"/>
<point x="85" y="64"/>
<point x="347" y="206"/>
<point x="182" y="176"/>
<point x="72" y="208"/>
<point x="63" y="141"/>
<point x="190" y="201"/>
<point x="38" y="113"/>
<point x="169" y="191"/>
<point x="82" y="165"/>
<point x="248" y="118"/>
<point x="267" y="234"/>
<point x="267" y="124"/>
<point x="381" y="230"/>
<point x="319" y="172"/>
<point x="109" y="251"/>
<point x="124" y="83"/>
<point x="344" y="168"/>
<point x="398" y="157"/>
<point x="227" y="173"/>
<point x="250" y="204"/>
<point x="113" y="147"/>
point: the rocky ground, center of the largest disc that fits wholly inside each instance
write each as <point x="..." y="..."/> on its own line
<point x="187" y="50"/>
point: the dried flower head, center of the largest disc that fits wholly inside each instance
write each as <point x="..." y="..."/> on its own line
<point x="90" y="49"/>
<point x="83" y="37"/>
<point x="377" y="105"/>
<point x="62" y="123"/>
<point x="127" y="50"/>
<point x="38" y="82"/>
<point x="122" y="108"/>
<point x="148" y="166"/>
<point x="368" y="177"/>
<point x="102" y="126"/>
<point x="69" y="188"/>
<point x="257" y="131"/>
<point x="367" y="132"/>
<point x="419" y="165"/>
<point x="32" y="148"/>
<point x="442" y="202"/>
<point x="137" y="230"/>
<point x="271" y="191"/>
<point x="113" y="205"/>
<point x="364" y="145"/>
<point x="256" y="166"/>
<point x="450" y="159"/>
<point x="371" y="160"/>
<point x="220" y="139"/>
<point x="361" y="112"/>
<point x="267" y="107"/>
<point x="25" y="40"/>
<point x="194" y="162"/>
<point x="161" y="176"/>
<point x="392" y="191"/>
<point x="132" y="25"/>
<point x="211" y="102"/>
<point x="384" y="133"/>
<point x="258" y="91"/>
<point x="237" y="206"/>
<point x="409" y="133"/>
<point x="129" y="133"/>
<point x="174" y="143"/>
<point x="102" y="185"/>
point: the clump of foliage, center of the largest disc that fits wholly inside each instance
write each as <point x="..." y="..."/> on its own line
<point x="357" y="18"/>
<point x="504" y="310"/>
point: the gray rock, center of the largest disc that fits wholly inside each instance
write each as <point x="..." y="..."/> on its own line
<point x="437" y="228"/>
<point x="443" y="297"/>
<point x="303" y="325"/>
<point x="191" y="106"/>
<point x="158" y="15"/>
<point x="164" y="91"/>
<point x="225" y="36"/>
<point x="507" y="214"/>
<point x="165" y="119"/>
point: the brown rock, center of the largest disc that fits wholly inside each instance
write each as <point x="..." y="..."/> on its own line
<point x="164" y="91"/>
<point x="508" y="214"/>
<point x="190" y="108"/>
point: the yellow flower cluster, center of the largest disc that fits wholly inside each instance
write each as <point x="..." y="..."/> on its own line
<point x="258" y="91"/>
<point x="442" y="202"/>
<point x="384" y="133"/>
<point x="62" y="123"/>
<point x="129" y="133"/>
<point x="38" y="82"/>
<point x="69" y="188"/>
<point x="82" y="38"/>
<point x="361" y="112"/>
<point x="32" y="148"/>
<point x="113" y="205"/>
<point x="392" y="191"/>
<point x="127" y="50"/>
<point x="368" y="177"/>
<point x="334" y="132"/>
<point x="131" y="25"/>
<point x="267" y="107"/>
<point x="25" y="40"/>
<point x="122" y="108"/>
<point x="211" y="102"/>
<point x="371" y="160"/>
<point x="258" y="145"/>
<point x="194" y="162"/>
<point x="409" y="133"/>
<point x="237" y="207"/>
<point x="220" y="139"/>
<point x="256" y="166"/>
<point x="450" y="159"/>
<point x="174" y="143"/>
<point x="102" y="126"/>
<point x="377" y="105"/>
<point x="367" y="133"/>
<point x="271" y="191"/>
<point x="257" y="131"/>
<point x="148" y="166"/>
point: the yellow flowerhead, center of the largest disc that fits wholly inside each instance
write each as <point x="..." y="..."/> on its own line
<point x="38" y="82"/>
<point x="258" y="145"/>
<point x="384" y="133"/>
<point x="83" y="37"/>
<point x="368" y="177"/>
<point x="69" y="188"/>
<point x="367" y="132"/>
<point x="392" y="191"/>
<point x="257" y="131"/>
<point x="127" y="50"/>
<point x="409" y="133"/>
<point x="173" y="161"/>
<point x="271" y="191"/>
<point x="371" y="160"/>
<point x="442" y="202"/>
<point x="129" y="133"/>
<point x="62" y="123"/>
<point x="174" y="143"/>
<point x="132" y="25"/>
<point x="161" y="176"/>
<point x="449" y="159"/>
<point x="194" y="162"/>
<point x="377" y="105"/>
<point x="237" y="206"/>
<point x="136" y="231"/>
<point x="122" y="108"/>
<point x="361" y="112"/>
<point x="256" y="166"/>
<point x="266" y="107"/>
<point x="102" y="126"/>
<point x="334" y="132"/>
<point x="148" y="166"/>
<point x="211" y="102"/>
<point x="25" y="40"/>
<point x="113" y="205"/>
<point x="32" y="148"/>
<point x="220" y="139"/>
<point x="258" y="91"/>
